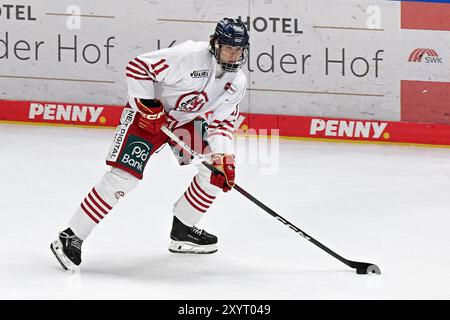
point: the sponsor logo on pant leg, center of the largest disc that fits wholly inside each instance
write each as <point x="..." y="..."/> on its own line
<point x="121" y="131"/>
<point x="135" y="154"/>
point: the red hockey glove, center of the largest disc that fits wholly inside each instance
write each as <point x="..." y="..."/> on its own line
<point x="226" y="165"/>
<point x="151" y="115"/>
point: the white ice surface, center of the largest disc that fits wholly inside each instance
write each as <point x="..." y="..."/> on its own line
<point x="388" y="205"/>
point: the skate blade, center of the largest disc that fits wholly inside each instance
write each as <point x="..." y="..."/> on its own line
<point x="65" y="263"/>
<point x="191" y="248"/>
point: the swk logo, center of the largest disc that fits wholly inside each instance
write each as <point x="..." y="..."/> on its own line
<point x="200" y="73"/>
<point x="425" y="55"/>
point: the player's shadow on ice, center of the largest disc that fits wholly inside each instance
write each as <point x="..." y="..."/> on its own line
<point x="191" y="268"/>
<point x="170" y="267"/>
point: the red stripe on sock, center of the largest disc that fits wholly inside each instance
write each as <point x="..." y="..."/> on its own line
<point x="202" y="191"/>
<point x="195" y="200"/>
<point x="101" y="200"/>
<point x="199" y="196"/>
<point x="97" y="205"/>
<point x="193" y="205"/>
<point x="90" y="215"/>
<point x="92" y="209"/>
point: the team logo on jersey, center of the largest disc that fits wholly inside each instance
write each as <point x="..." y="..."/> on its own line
<point x="200" y="73"/>
<point x="192" y="101"/>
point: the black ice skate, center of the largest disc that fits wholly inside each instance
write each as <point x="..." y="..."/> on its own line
<point x="191" y="239"/>
<point x="67" y="250"/>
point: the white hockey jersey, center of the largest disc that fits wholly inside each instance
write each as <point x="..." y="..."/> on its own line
<point x="183" y="79"/>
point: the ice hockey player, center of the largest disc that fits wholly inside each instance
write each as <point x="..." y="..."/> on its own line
<point x="175" y="87"/>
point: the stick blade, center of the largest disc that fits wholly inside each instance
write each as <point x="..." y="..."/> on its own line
<point x="365" y="268"/>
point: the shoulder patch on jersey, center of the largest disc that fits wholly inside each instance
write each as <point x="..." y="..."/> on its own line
<point x="230" y="88"/>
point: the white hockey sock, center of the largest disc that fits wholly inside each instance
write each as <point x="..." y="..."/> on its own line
<point x="197" y="199"/>
<point x="100" y="201"/>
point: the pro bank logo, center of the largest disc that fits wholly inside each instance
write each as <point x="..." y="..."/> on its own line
<point x="425" y="55"/>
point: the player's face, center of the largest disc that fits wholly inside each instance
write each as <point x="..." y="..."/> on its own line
<point x="230" y="54"/>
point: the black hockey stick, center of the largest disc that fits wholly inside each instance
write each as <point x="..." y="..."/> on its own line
<point x="361" y="267"/>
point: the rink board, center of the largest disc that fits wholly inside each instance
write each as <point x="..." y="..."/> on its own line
<point x="329" y="58"/>
<point x="35" y="112"/>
